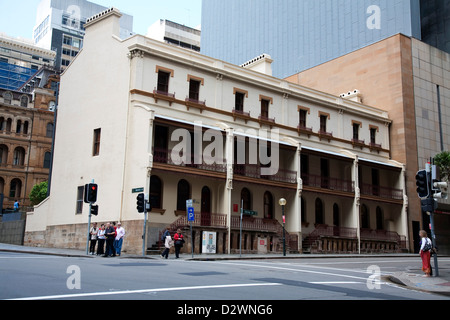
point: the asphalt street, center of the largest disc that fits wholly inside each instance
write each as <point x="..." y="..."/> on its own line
<point x="40" y="277"/>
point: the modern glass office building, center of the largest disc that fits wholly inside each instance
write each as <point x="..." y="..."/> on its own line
<point x="300" y="34"/>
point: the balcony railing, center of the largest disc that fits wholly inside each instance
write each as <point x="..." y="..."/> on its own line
<point x="328" y="183"/>
<point x="382" y="192"/>
<point x="164" y="156"/>
<point x="254" y="171"/>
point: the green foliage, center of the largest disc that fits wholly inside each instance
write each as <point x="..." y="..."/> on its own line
<point x="442" y="160"/>
<point x="38" y="193"/>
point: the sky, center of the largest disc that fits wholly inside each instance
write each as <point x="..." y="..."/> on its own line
<point x="18" y="17"/>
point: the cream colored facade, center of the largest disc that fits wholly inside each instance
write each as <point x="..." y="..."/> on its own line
<point x="334" y="153"/>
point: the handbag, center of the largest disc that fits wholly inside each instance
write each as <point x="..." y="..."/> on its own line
<point x="428" y="246"/>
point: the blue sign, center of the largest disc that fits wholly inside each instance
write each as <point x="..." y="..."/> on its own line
<point x="191" y="216"/>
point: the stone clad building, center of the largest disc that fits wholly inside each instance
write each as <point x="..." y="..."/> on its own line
<point x="182" y="126"/>
<point x="26" y="132"/>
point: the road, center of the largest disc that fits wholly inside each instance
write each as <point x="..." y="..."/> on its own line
<point x="40" y="277"/>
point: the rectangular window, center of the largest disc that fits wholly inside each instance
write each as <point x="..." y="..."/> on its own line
<point x="239" y="101"/>
<point x="80" y="196"/>
<point x="355" y="131"/>
<point x="373" y="135"/>
<point x="96" y="144"/>
<point x="265" y="108"/>
<point x="163" y="81"/>
<point x="323" y="123"/>
<point x="302" y="118"/>
<point x="67" y="40"/>
<point x="194" y="90"/>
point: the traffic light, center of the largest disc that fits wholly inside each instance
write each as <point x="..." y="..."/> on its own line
<point x="422" y="184"/>
<point x="140" y="203"/>
<point x="443" y="187"/>
<point x="94" y="210"/>
<point x="90" y="193"/>
<point x="148" y="206"/>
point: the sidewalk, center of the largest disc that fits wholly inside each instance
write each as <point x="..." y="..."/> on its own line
<point x="413" y="279"/>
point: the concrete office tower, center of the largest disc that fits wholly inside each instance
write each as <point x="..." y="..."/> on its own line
<point x="60" y="27"/>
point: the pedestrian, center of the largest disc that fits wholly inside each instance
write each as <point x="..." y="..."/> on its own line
<point x="93" y="232"/>
<point x="165" y="253"/>
<point x="120" y="233"/>
<point x="168" y="243"/>
<point x="110" y="236"/>
<point x="101" y="240"/>
<point x="16" y="206"/>
<point x="179" y="241"/>
<point x="425" y="252"/>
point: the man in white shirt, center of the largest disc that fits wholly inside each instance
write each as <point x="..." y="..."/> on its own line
<point x="120" y="231"/>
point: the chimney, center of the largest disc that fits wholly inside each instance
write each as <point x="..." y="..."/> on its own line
<point x="354" y="95"/>
<point x="262" y="63"/>
<point x="110" y="19"/>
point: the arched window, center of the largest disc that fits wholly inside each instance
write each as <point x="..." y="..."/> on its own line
<point x="3" y="154"/>
<point x="19" y="126"/>
<point x="2" y="186"/>
<point x="49" y="133"/>
<point x="183" y="194"/>
<point x="25" y="127"/>
<point x="7" y="97"/>
<point x="268" y="205"/>
<point x="47" y="160"/>
<point x="380" y="219"/>
<point x="365" y="221"/>
<point x="15" y="189"/>
<point x="24" y="101"/>
<point x="247" y="199"/>
<point x="19" y="157"/>
<point x="156" y="192"/>
<point x="319" y="212"/>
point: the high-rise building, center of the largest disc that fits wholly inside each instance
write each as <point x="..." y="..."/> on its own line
<point x="175" y="33"/>
<point x="60" y="27"/>
<point x="300" y="34"/>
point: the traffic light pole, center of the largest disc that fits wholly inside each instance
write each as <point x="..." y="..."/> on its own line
<point x="89" y="225"/>
<point x="433" y="235"/>
<point x="89" y="229"/>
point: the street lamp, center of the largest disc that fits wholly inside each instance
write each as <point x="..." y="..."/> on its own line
<point x="282" y="203"/>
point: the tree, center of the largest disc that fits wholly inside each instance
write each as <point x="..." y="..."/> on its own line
<point x="442" y="160"/>
<point x="38" y="193"/>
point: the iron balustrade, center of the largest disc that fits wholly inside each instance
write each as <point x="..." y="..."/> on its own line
<point x="316" y="181"/>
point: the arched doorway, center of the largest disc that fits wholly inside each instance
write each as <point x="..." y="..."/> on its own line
<point x="206" y="207"/>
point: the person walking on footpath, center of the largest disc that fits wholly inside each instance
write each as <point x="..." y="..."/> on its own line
<point x="168" y="243"/>
<point x="110" y="236"/>
<point x="179" y="241"/>
<point x="425" y="252"/>
<point x="101" y="240"/>
<point x="93" y="232"/>
<point x="120" y="233"/>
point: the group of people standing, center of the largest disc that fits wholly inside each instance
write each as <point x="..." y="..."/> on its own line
<point x="108" y="234"/>
<point x="177" y="241"/>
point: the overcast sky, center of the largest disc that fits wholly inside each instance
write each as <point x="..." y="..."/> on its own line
<point x="18" y="17"/>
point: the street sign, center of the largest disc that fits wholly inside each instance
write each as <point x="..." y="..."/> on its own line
<point x="191" y="215"/>
<point x="137" y="190"/>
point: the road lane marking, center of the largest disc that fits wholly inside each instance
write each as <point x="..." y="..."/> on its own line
<point x="94" y="294"/>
